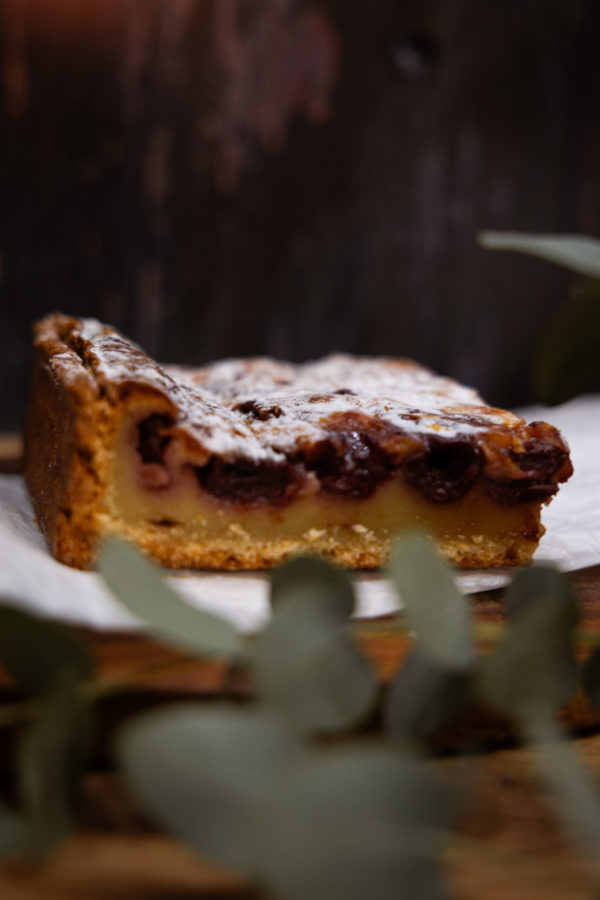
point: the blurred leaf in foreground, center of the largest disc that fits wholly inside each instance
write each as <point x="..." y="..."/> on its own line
<point x="423" y="697"/>
<point x="52" y="756"/>
<point x="36" y="651"/>
<point x="575" y="252"/>
<point x="533" y="671"/>
<point x="435" y="609"/>
<point x="574" y="791"/>
<point x="530" y="675"/>
<point x="306" y="660"/>
<point x="362" y="823"/>
<point x="204" y="772"/>
<point x="531" y="587"/>
<point x="139" y="585"/>
<point x="568" y="355"/>
<point x="359" y="823"/>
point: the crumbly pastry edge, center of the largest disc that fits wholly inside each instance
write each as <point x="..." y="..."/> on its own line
<point x="368" y="552"/>
<point x="68" y="426"/>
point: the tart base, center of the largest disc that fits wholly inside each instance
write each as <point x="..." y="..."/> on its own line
<point x="354" y="535"/>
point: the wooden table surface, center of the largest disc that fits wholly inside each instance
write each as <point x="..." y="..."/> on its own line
<point x="509" y="843"/>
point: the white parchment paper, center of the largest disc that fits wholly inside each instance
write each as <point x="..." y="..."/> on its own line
<point x="32" y="579"/>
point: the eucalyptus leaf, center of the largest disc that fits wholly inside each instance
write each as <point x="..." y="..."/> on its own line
<point x="568" y="356"/>
<point x="580" y="254"/>
<point x="533" y="671"/>
<point x="359" y="823"/>
<point x="52" y="756"/>
<point x="533" y="585"/>
<point x="138" y="584"/>
<point x="204" y="772"/>
<point x="323" y="686"/>
<point x="435" y="609"/>
<point x="314" y="582"/>
<point x="423" y="697"/>
<point x="574" y="791"/>
<point x="306" y="661"/>
<point x="37" y="651"/>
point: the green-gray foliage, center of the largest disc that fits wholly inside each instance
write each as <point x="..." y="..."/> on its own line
<point x="36" y="651"/>
<point x="423" y="697"/>
<point x="205" y="773"/>
<point x="435" y="609"/>
<point x="575" y="793"/>
<point x="139" y="586"/>
<point x="434" y="682"/>
<point x="533" y="586"/>
<point x="53" y="754"/>
<point x="343" y="822"/>
<point x="355" y="823"/>
<point x="306" y="661"/>
<point x="256" y="785"/>
<point x="568" y="355"/>
<point x="573" y="251"/>
<point x="533" y="671"/>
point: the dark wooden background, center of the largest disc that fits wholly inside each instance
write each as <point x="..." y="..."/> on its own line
<point x="224" y="177"/>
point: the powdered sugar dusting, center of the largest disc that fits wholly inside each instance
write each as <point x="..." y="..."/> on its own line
<point x="261" y="408"/>
<point x="115" y="359"/>
<point x="305" y="396"/>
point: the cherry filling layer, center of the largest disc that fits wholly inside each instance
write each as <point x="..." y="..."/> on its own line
<point x="249" y="484"/>
<point x="445" y="469"/>
<point x="353" y="464"/>
<point x="153" y="437"/>
<point x="350" y="463"/>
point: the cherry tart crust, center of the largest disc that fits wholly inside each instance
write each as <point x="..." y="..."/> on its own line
<point x="244" y="463"/>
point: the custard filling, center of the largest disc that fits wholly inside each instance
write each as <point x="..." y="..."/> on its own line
<point x="159" y="484"/>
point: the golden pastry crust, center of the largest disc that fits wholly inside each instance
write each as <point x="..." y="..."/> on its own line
<point x="244" y="463"/>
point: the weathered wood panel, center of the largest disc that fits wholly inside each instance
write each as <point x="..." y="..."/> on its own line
<point x="224" y="177"/>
